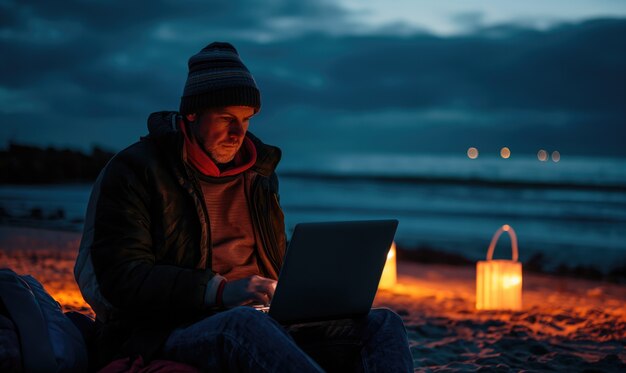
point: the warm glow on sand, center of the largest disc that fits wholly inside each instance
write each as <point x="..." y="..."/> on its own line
<point x="505" y="152"/>
<point x="542" y="155"/>
<point x="472" y="153"/>
<point x="52" y="264"/>
<point x="566" y="323"/>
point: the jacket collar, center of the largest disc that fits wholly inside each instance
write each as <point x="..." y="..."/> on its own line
<point x="163" y="129"/>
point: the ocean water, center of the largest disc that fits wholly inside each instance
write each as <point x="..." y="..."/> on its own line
<point x="572" y="212"/>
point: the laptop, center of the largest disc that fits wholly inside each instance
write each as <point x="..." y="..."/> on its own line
<point x="331" y="270"/>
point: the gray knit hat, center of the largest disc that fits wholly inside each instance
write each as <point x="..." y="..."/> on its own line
<point x="217" y="78"/>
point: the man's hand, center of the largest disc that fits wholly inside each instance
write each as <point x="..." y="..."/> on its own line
<point x="253" y="289"/>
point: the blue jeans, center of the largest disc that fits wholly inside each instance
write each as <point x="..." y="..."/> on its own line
<point x="243" y="339"/>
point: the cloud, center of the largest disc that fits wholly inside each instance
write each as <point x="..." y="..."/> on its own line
<point x="14" y="101"/>
<point x="469" y="21"/>
<point x="570" y="67"/>
<point x="94" y="50"/>
<point x="96" y="63"/>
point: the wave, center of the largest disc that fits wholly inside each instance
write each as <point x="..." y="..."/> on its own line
<point x="465" y="180"/>
<point x="457" y="214"/>
<point x="603" y="174"/>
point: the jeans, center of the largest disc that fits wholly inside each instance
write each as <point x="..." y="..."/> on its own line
<point x="243" y="340"/>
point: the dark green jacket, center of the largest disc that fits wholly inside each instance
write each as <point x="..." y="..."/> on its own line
<point x="145" y="255"/>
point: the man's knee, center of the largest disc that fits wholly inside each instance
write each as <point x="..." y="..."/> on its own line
<point x="242" y="316"/>
<point x="384" y="318"/>
<point x="237" y="324"/>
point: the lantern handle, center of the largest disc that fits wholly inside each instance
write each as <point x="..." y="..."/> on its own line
<point x="505" y="228"/>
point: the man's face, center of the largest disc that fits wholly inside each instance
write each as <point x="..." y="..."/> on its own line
<point x="221" y="131"/>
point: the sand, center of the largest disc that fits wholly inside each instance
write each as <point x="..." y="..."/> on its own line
<point x="566" y="324"/>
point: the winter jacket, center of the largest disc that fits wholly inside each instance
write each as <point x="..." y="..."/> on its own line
<point x="145" y="255"/>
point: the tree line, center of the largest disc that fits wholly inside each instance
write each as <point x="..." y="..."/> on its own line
<point x="26" y="164"/>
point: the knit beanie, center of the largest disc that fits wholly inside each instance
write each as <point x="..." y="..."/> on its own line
<point x="218" y="78"/>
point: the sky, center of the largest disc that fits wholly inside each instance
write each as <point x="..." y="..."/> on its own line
<point x="401" y="77"/>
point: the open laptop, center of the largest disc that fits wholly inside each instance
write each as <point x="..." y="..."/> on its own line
<point x="331" y="270"/>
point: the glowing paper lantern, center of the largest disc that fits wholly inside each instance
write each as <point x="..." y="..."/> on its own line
<point x="389" y="277"/>
<point x="499" y="282"/>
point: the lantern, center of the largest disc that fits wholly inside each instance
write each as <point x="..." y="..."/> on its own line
<point x="499" y="282"/>
<point x="389" y="277"/>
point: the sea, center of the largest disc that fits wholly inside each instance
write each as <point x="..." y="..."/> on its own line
<point x="571" y="212"/>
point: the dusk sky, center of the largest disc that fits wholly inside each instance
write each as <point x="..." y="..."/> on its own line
<point x="407" y="77"/>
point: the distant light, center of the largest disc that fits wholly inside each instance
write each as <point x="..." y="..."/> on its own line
<point x="472" y="153"/>
<point x="505" y="152"/>
<point x="542" y="155"/>
<point x="556" y="156"/>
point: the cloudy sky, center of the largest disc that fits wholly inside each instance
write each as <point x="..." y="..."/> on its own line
<point x="345" y="76"/>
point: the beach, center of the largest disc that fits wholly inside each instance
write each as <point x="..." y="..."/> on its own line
<point x="204" y="135"/>
<point x="566" y="324"/>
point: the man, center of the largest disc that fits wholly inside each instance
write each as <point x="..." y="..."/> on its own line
<point x="184" y="229"/>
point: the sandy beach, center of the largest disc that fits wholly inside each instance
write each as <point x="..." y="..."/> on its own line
<point x="566" y="324"/>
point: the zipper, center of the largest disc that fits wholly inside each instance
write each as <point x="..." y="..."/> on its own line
<point x="196" y="192"/>
<point x="271" y="232"/>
